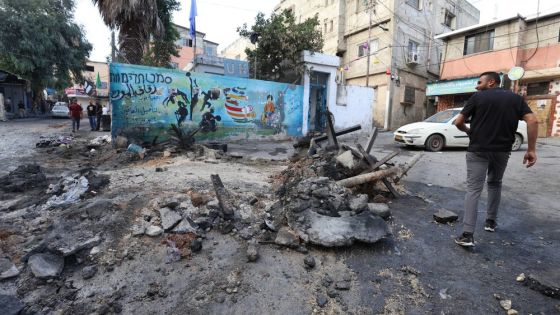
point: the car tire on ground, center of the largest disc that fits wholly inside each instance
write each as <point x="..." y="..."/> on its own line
<point x="435" y="143"/>
<point x="517" y="143"/>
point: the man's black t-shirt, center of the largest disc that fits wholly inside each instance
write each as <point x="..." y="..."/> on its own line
<point x="91" y="110"/>
<point x="494" y="114"/>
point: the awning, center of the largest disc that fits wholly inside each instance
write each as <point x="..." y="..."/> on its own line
<point x="459" y="86"/>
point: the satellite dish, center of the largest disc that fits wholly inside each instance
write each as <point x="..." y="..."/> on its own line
<point x="516" y="73"/>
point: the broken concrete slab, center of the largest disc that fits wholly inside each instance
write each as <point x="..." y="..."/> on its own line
<point x="445" y="216"/>
<point x="380" y="209"/>
<point x="89" y="271"/>
<point x="46" y="265"/>
<point x="287" y="237"/>
<point x="544" y="285"/>
<point x="7" y="269"/>
<point x="340" y="231"/>
<point x="348" y="160"/>
<point x="10" y="305"/>
<point x="169" y="218"/>
<point x="154" y="230"/>
<point x="70" y="244"/>
<point x="359" y="203"/>
<point x="185" y="226"/>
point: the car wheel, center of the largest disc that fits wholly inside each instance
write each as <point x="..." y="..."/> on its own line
<point x="435" y="143"/>
<point x="517" y="143"/>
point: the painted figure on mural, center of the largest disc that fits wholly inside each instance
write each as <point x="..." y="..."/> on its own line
<point x="174" y="97"/>
<point x="267" y="116"/>
<point x="194" y="93"/>
<point x="210" y="95"/>
<point x="181" y="113"/>
<point x="209" y="120"/>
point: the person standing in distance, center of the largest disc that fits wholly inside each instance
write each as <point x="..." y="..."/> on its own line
<point x="494" y="113"/>
<point x="75" y="114"/>
<point x="91" y="112"/>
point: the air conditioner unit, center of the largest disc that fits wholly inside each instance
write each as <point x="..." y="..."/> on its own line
<point x="413" y="58"/>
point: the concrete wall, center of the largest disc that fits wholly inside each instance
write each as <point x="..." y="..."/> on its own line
<point x="402" y="113"/>
<point x="147" y="100"/>
<point x="358" y="108"/>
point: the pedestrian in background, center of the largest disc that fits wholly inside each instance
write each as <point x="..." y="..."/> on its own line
<point x="21" y="109"/>
<point x="494" y="113"/>
<point x="91" y="112"/>
<point x="75" y="115"/>
<point x="98" y="114"/>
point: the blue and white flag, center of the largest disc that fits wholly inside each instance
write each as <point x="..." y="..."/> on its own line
<point x="192" y="19"/>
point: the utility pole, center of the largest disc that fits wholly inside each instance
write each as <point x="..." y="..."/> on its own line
<point x="370" y="7"/>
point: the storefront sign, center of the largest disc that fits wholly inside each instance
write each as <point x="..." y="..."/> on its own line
<point x="460" y="86"/>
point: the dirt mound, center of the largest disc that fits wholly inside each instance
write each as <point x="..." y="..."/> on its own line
<point x="24" y="178"/>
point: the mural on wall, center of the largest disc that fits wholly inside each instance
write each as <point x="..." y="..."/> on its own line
<point x="147" y="100"/>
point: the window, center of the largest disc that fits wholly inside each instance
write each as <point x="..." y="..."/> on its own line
<point x="539" y="88"/>
<point x="479" y="42"/>
<point x="326" y="3"/>
<point x="210" y="50"/>
<point x="90" y="68"/>
<point x="325" y="31"/>
<point x="409" y="94"/>
<point x="331" y="26"/>
<point x="186" y="42"/>
<point x="414" y="3"/>
<point x="363" y="47"/>
<point x="449" y="19"/>
<point x="412" y="47"/>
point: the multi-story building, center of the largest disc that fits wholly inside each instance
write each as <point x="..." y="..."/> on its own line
<point x="236" y="50"/>
<point x="186" y="47"/>
<point x="95" y="86"/>
<point x="530" y="44"/>
<point x="396" y="37"/>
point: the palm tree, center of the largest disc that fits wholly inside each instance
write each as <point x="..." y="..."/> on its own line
<point x="136" y="21"/>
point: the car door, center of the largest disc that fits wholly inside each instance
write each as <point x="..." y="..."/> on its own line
<point x="456" y="137"/>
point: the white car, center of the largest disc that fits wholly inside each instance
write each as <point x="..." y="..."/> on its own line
<point x="60" y="109"/>
<point x="438" y="132"/>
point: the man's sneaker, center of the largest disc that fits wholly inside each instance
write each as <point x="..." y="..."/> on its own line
<point x="465" y="239"/>
<point x="490" y="225"/>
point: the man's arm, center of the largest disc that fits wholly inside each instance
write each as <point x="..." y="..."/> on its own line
<point x="530" y="157"/>
<point x="460" y="124"/>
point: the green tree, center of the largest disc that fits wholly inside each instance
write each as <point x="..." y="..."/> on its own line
<point x="39" y="42"/>
<point x="161" y="49"/>
<point x="139" y="23"/>
<point x="280" y="41"/>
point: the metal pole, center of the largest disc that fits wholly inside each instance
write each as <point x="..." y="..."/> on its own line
<point x="368" y="47"/>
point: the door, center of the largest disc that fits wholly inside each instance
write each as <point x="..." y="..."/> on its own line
<point x="318" y="108"/>
<point x="542" y="107"/>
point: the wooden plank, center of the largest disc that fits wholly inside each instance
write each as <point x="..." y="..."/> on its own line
<point x="372" y="161"/>
<point x="371" y="139"/>
<point x="408" y="166"/>
<point x="369" y="177"/>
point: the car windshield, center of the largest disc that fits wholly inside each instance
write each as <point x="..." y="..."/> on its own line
<point x="443" y="117"/>
<point x="59" y="107"/>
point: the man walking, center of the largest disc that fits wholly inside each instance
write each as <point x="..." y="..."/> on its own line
<point x="91" y="115"/>
<point x="75" y="115"/>
<point x="495" y="113"/>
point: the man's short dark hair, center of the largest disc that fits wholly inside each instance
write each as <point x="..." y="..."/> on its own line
<point x="492" y="75"/>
